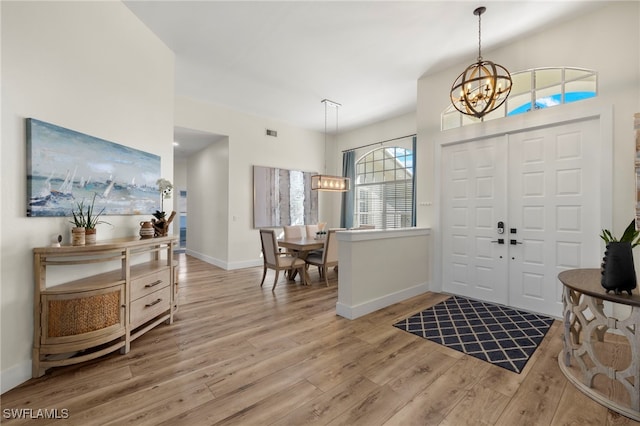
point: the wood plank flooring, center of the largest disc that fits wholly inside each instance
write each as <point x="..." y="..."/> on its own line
<point x="239" y="354"/>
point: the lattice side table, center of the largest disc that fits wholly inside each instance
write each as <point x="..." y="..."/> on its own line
<point x="605" y="366"/>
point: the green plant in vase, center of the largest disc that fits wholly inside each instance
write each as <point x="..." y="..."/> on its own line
<point x="630" y="235"/>
<point x="618" y="271"/>
<point x="87" y="218"/>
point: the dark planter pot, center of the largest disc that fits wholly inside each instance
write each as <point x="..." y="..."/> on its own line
<point x="618" y="272"/>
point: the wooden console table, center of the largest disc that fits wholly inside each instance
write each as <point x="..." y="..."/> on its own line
<point x="86" y="318"/>
<point x="605" y="366"/>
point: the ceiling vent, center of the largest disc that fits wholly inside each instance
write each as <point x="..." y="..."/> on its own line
<point x="273" y="133"/>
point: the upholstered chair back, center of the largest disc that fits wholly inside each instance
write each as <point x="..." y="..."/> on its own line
<point x="269" y="246"/>
<point x="331" y="248"/>
<point x="293" y="232"/>
<point x="311" y="230"/>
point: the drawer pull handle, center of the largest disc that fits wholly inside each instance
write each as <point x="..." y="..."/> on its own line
<point x="153" y="284"/>
<point x="148" y="305"/>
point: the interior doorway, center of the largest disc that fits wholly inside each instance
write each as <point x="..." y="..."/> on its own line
<point x="200" y="167"/>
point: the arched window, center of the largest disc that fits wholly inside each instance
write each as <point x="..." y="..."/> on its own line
<point x="540" y="87"/>
<point x="384" y="188"/>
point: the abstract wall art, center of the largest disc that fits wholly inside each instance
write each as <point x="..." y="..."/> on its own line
<point x="283" y="197"/>
<point x="65" y="167"/>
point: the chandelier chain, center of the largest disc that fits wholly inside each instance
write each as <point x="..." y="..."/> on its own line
<point x="479" y="38"/>
<point x="325" y="137"/>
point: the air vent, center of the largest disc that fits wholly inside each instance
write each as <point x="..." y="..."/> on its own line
<point x="273" y="133"/>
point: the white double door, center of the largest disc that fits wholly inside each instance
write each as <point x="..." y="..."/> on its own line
<point x="517" y="209"/>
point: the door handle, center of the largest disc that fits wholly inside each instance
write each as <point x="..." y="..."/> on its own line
<point x="499" y="241"/>
<point x="514" y="242"/>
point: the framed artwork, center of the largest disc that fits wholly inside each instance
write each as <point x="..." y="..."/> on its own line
<point x="65" y="167"/>
<point x="283" y="197"/>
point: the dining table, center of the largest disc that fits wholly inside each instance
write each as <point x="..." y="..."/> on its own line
<point x="301" y="247"/>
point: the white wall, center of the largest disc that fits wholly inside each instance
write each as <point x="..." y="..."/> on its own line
<point x="395" y="127"/>
<point x="294" y="148"/>
<point x="208" y="180"/>
<point x="380" y="267"/>
<point x="606" y="40"/>
<point x="91" y="67"/>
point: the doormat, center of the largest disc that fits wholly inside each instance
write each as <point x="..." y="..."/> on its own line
<point x="497" y="334"/>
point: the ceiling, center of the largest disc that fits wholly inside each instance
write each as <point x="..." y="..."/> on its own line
<point x="279" y="59"/>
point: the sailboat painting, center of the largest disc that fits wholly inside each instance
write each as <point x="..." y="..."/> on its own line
<point x="65" y="167"/>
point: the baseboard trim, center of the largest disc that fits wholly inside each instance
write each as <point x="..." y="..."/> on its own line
<point x="227" y="266"/>
<point x="245" y="264"/>
<point x="356" y="311"/>
<point x="15" y="376"/>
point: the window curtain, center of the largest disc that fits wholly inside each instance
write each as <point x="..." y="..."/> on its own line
<point x="348" y="198"/>
<point x="413" y="186"/>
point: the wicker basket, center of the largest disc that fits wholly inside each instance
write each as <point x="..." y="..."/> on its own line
<point x="70" y="317"/>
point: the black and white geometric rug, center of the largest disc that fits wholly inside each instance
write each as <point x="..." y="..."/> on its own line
<point x="494" y="333"/>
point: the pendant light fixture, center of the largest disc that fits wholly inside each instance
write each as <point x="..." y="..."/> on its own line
<point x="327" y="182"/>
<point x="483" y="86"/>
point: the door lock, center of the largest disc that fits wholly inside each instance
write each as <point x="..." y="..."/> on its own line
<point x="501" y="227"/>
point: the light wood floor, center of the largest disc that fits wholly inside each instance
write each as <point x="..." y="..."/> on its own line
<point x="239" y="354"/>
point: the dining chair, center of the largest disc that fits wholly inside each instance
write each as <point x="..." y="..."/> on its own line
<point x="311" y="234"/>
<point x="293" y="232"/>
<point x="273" y="259"/>
<point x="311" y="230"/>
<point x="328" y="257"/>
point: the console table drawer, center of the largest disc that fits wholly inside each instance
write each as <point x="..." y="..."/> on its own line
<point x="150" y="283"/>
<point x="151" y="305"/>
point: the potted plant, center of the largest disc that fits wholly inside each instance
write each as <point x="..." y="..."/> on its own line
<point x="87" y="219"/>
<point x="161" y="223"/>
<point x="78" y="231"/>
<point x="618" y="271"/>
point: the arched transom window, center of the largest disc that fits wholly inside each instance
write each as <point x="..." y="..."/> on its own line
<point x="534" y="89"/>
